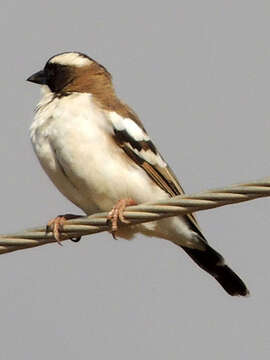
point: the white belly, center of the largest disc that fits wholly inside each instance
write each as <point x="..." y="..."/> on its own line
<point x="72" y="139"/>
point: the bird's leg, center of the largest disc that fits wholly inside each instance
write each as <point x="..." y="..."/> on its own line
<point x="117" y="213"/>
<point x="56" y="225"/>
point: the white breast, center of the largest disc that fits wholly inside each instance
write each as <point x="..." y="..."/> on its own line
<point x="72" y="138"/>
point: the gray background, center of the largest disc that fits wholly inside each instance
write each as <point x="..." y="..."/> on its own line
<point x="197" y="73"/>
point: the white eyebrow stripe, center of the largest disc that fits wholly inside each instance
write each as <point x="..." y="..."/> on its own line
<point x="71" y="59"/>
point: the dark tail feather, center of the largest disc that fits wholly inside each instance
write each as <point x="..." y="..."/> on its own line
<point x="212" y="262"/>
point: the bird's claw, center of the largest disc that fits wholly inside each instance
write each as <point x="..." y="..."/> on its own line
<point x="56" y="226"/>
<point x="117" y="213"/>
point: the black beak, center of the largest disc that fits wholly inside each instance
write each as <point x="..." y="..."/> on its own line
<point x="38" y="78"/>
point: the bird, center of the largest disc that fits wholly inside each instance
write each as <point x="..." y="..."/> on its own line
<point x="98" y="154"/>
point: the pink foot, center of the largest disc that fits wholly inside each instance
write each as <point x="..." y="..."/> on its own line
<point x="56" y="225"/>
<point x="117" y="213"/>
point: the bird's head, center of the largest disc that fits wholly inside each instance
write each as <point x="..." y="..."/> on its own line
<point x="72" y="72"/>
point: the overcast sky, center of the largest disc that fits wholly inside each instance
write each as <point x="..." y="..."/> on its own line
<point x="197" y="73"/>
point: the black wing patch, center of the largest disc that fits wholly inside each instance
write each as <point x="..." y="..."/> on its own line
<point x="123" y="137"/>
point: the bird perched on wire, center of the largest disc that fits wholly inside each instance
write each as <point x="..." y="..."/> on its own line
<point x="99" y="155"/>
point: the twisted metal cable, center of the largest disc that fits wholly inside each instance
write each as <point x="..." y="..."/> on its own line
<point x="178" y="205"/>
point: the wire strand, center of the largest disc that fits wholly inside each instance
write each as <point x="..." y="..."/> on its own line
<point x="178" y="205"/>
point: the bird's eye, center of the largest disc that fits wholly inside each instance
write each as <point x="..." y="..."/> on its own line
<point x="57" y="76"/>
<point x="50" y="71"/>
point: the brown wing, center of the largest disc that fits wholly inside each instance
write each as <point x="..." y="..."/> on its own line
<point x="145" y="154"/>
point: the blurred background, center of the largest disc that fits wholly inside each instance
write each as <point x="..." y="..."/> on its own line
<point x="197" y="73"/>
